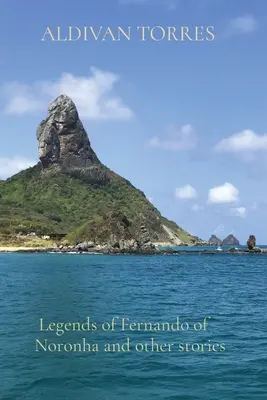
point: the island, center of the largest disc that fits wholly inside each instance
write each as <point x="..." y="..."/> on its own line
<point x="230" y="240"/>
<point x="214" y="241"/>
<point x="71" y="200"/>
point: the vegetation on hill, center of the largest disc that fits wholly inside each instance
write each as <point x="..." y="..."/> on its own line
<point x="71" y="194"/>
<point x="52" y="201"/>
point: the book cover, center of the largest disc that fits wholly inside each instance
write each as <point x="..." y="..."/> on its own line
<point x="133" y="246"/>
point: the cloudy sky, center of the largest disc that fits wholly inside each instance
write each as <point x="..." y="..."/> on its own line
<point x="184" y="121"/>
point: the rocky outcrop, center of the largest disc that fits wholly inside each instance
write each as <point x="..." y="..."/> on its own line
<point x="144" y="239"/>
<point x="251" y="242"/>
<point x="70" y="194"/>
<point x="230" y="240"/>
<point x="214" y="241"/>
<point x="62" y="137"/>
<point x="113" y="232"/>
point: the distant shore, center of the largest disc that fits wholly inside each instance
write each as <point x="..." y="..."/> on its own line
<point x="157" y="251"/>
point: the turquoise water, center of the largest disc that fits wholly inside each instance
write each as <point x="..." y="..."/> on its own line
<point x="229" y="289"/>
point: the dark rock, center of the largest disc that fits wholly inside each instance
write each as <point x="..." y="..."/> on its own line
<point x="62" y="137"/>
<point x="251" y="242"/>
<point x="230" y="240"/>
<point x="82" y="246"/>
<point x="214" y="241"/>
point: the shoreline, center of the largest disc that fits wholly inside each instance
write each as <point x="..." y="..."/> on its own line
<point x="104" y="251"/>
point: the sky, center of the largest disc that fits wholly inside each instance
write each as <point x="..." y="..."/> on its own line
<point x="184" y="121"/>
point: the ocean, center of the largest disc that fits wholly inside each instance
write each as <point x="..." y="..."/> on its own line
<point x="103" y="327"/>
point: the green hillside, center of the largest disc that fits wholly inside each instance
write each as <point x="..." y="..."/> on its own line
<point x="55" y="202"/>
<point x="71" y="194"/>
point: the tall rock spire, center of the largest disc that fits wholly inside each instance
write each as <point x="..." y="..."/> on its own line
<point x="62" y="137"/>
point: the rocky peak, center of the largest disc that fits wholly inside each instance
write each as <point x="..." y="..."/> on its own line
<point x="62" y="137"/>
<point x="231" y="240"/>
<point x="251" y="242"/>
<point x="215" y="241"/>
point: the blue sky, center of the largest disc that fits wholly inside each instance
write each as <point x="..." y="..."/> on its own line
<point x="184" y="121"/>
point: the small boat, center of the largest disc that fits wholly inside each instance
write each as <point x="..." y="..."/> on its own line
<point x="219" y="248"/>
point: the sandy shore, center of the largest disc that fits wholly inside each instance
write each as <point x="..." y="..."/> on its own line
<point x="11" y="249"/>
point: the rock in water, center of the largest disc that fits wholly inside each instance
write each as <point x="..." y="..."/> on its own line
<point x="62" y="137"/>
<point x="215" y="241"/>
<point x="251" y="242"/>
<point x="230" y="240"/>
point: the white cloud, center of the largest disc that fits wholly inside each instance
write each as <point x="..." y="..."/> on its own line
<point x="176" y="139"/>
<point x="224" y="194"/>
<point x="197" y="208"/>
<point x="186" y="192"/>
<point x="93" y="95"/>
<point x="246" y="143"/>
<point x="242" y="25"/>
<point x="10" y="166"/>
<point x="239" y="212"/>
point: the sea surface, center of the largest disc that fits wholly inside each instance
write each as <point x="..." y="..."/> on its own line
<point x="229" y="292"/>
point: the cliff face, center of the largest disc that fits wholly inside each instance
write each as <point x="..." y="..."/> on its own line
<point x="62" y="138"/>
<point x="70" y="192"/>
